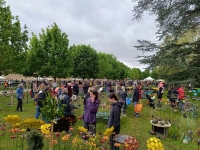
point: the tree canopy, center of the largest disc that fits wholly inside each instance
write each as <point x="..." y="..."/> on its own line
<point x="13" y="41"/>
<point x="48" y="53"/>
<point x="178" y="48"/>
<point x="85" y="62"/>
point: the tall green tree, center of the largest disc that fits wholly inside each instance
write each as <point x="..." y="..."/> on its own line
<point x="175" y="20"/>
<point x="85" y="62"/>
<point x="136" y="73"/>
<point x="104" y="66"/>
<point x="154" y="74"/>
<point x="48" y="54"/>
<point x="145" y="74"/>
<point x="13" y="41"/>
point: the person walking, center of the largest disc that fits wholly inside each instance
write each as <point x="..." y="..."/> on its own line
<point x="75" y="91"/>
<point x="135" y="99"/>
<point x="122" y="97"/>
<point x="181" y="96"/>
<point x="20" y="96"/>
<point x="114" y="117"/>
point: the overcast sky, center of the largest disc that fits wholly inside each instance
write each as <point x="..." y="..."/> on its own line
<point x="106" y="25"/>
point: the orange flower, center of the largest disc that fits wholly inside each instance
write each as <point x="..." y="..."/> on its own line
<point x="105" y="138"/>
<point x="64" y="138"/>
<point x="67" y="135"/>
<point x="74" y="141"/>
<point x="117" y="144"/>
<point x="55" y="142"/>
<point x="14" y="130"/>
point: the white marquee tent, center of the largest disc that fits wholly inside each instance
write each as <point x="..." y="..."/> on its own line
<point x="2" y="78"/>
<point x="149" y="79"/>
<point x="160" y="80"/>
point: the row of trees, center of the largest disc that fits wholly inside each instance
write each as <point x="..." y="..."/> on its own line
<point x="49" y="54"/>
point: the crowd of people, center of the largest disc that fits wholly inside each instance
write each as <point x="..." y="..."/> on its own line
<point x="117" y="91"/>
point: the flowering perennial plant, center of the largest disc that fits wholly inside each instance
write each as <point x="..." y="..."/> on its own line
<point x="154" y="144"/>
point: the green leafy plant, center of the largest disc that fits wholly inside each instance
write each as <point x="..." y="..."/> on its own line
<point x="34" y="141"/>
<point x="52" y="109"/>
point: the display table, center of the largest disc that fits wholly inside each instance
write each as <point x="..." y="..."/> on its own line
<point x="120" y="138"/>
<point x="160" y="129"/>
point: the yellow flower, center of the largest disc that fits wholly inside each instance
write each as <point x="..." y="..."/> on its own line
<point x="33" y="123"/>
<point x="154" y="144"/>
<point x="22" y="130"/>
<point x="12" y="119"/>
<point x="126" y="145"/>
<point x="93" y="144"/>
<point x="16" y="125"/>
<point x="91" y="139"/>
<point x="109" y="131"/>
<point x="46" y="128"/>
<point x="82" y="129"/>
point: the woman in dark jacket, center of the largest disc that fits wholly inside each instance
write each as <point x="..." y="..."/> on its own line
<point x="64" y="98"/>
<point x="114" y="118"/>
<point x="135" y="99"/>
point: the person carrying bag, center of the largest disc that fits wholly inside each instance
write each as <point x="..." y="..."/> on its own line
<point x="137" y="105"/>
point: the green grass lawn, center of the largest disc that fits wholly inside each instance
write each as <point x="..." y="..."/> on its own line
<point x="137" y="127"/>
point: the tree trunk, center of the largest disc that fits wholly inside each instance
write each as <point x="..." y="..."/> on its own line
<point x="51" y="136"/>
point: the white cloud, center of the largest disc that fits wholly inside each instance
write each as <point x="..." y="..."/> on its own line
<point x="106" y="25"/>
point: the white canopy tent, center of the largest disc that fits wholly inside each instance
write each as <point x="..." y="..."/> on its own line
<point x="149" y="79"/>
<point x="50" y="79"/>
<point x="2" y="78"/>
